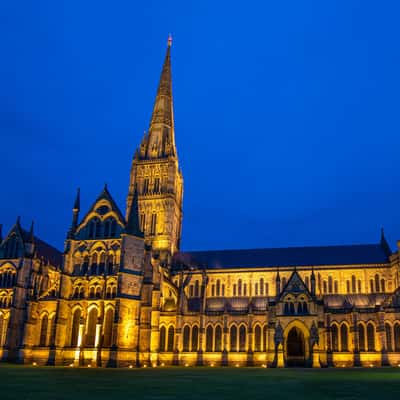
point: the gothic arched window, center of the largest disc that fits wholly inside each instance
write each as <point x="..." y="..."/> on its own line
<point x="107" y="228"/>
<point x="218" y="338"/>
<point x="171" y="334"/>
<point x="344" y="338"/>
<point x="209" y="338"/>
<point x="91" y="328"/>
<point x="97" y="232"/>
<point x="186" y="338"/>
<point x="257" y="338"/>
<point x="361" y="337"/>
<point x="353" y="283"/>
<point x="195" y="338"/>
<point x="43" y="331"/>
<point x="108" y="328"/>
<point x="396" y="336"/>
<point x="113" y="228"/>
<point x="242" y="338"/>
<point x="389" y="338"/>
<point x="335" y="337"/>
<point x="371" y="337"/>
<point x="330" y="285"/>
<point x="163" y="336"/>
<point x="377" y="283"/>
<point x="233" y="338"/>
<point x="75" y="327"/>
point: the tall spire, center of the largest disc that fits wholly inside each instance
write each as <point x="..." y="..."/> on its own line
<point x="384" y="243"/>
<point x="160" y="140"/>
<point x="75" y="213"/>
<point x="159" y="183"/>
<point x="31" y="234"/>
<point x="77" y="203"/>
<point x="132" y="223"/>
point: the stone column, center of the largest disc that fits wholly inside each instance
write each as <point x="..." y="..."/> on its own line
<point x="225" y="333"/>
<point x="250" y="343"/>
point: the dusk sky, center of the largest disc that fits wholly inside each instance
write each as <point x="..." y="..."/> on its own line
<point x="286" y="114"/>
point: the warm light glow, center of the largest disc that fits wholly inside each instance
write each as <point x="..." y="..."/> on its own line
<point x="131" y="366"/>
<point x="145" y="366"/>
<point x="89" y="366"/>
<point x="163" y="365"/>
<point x="71" y="365"/>
<point x="34" y="364"/>
<point x="186" y="365"/>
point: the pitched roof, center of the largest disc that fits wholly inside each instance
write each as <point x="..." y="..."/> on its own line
<point x="43" y="250"/>
<point x="285" y="257"/>
<point x="48" y="252"/>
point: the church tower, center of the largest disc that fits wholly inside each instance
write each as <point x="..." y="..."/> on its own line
<point x="155" y="174"/>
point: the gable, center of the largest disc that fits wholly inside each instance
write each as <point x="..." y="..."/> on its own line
<point x="295" y="286"/>
<point x="103" y="220"/>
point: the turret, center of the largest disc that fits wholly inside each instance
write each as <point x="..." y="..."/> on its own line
<point x="312" y="282"/>
<point x="278" y="283"/>
<point x="30" y="242"/>
<point x="75" y="213"/>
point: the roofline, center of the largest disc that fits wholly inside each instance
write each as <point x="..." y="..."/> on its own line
<point x="285" y="268"/>
<point x="282" y="248"/>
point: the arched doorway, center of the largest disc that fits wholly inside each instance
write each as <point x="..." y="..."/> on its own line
<point x="295" y="348"/>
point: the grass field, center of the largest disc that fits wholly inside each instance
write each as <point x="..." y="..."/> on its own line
<point x="21" y="382"/>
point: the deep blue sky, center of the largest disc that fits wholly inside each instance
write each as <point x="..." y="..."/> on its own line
<point x="286" y="112"/>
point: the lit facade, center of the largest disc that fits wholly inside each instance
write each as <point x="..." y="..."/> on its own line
<point x="123" y="294"/>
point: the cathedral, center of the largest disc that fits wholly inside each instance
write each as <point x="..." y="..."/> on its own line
<point x="123" y="294"/>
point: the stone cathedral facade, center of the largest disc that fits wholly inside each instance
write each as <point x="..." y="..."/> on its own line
<point x="123" y="294"/>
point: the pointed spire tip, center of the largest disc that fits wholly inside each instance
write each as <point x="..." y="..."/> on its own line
<point x="169" y="40"/>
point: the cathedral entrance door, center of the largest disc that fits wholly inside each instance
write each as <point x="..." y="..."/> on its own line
<point x="295" y="348"/>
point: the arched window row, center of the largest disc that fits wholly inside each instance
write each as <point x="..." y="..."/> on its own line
<point x="8" y="279"/>
<point x="47" y="330"/>
<point x="238" y="338"/>
<point x="97" y="263"/>
<point x="293" y="308"/>
<point x="94" y="331"/>
<point x="167" y="338"/>
<point x="190" y="338"/>
<point x="377" y="284"/>
<point x="366" y="337"/>
<point x="95" y="292"/>
<point x="340" y="337"/>
<point x="214" y="338"/>
<point x="101" y="229"/>
<point x="260" y="338"/>
<point x="152" y="185"/>
<point x="194" y="289"/>
<point x="392" y="337"/>
<point x="217" y="289"/>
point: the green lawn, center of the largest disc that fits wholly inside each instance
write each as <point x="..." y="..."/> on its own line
<point x="20" y="382"/>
